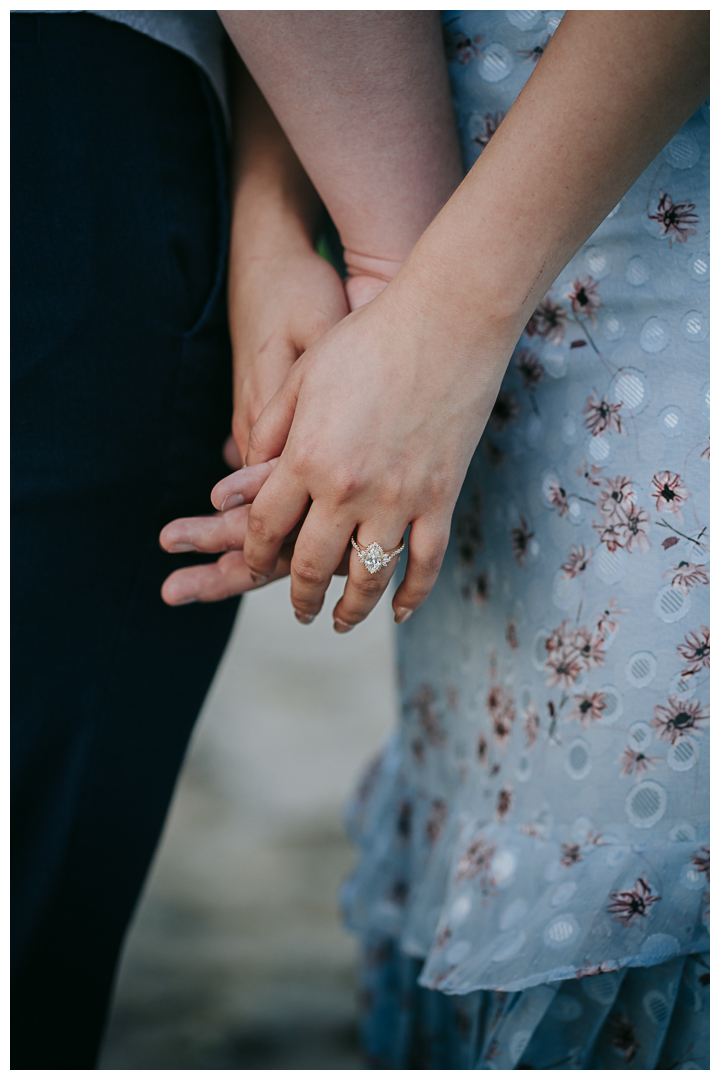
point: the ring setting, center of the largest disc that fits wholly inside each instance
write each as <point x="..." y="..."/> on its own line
<point x="373" y="557"/>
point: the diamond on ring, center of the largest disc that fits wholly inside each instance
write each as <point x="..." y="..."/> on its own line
<point x="373" y="557"/>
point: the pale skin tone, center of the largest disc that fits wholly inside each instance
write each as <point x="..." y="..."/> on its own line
<point x="375" y="425"/>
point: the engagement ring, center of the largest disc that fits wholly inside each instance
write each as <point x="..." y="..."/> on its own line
<point x="373" y="557"/>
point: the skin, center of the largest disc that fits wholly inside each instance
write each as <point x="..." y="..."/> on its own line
<point x="365" y="100"/>
<point x="375" y="424"/>
<point x="282" y="296"/>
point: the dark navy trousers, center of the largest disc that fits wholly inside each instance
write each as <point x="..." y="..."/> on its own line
<point x="121" y="401"/>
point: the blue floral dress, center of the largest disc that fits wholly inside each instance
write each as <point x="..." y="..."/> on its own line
<point x="533" y="886"/>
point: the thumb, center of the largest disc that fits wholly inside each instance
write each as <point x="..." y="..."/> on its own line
<point x="269" y="433"/>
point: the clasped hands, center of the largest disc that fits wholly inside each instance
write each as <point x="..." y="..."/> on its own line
<point x="369" y="429"/>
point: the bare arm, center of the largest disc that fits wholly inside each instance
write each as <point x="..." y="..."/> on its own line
<point x="376" y="423"/>
<point x="282" y="296"/>
<point x="365" y="101"/>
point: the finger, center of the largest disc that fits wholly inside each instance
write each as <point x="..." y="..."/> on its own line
<point x="275" y="512"/>
<point x="363" y="588"/>
<point x="427" y="544"/>
<point x="231" y="453"/>
<point x="320" y="549"/>
<point x="212" y="533"/>
<point x="229" y="576"/>
<point x="241" y="486"/>
<point x="270" y="431"/>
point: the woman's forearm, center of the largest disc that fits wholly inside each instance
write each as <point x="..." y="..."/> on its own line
<point x="364" y="99"/>
<point x="610" y="91"/>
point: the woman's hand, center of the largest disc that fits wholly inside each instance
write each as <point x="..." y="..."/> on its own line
<point x="376" y="430"/>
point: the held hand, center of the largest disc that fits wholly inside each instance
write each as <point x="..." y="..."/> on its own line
<point x="279" y="305"/>
<point x="222" y="532"/>
<point x="375" y="425"/>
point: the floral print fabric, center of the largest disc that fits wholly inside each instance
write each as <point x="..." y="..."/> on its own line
<point x="542" y="813"/>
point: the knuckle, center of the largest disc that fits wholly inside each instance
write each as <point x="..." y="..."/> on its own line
<point x="346" y="485"/>
<point x="428" y="562"/>
<point x="307" y="573"/>
<point x="261" y="528"/>
<point x="369" y="588"/>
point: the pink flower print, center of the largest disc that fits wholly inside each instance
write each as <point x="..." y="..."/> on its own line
<point x="588" y="708"/>
<point x="504" y="803"/>
<point x="476" y="861"/>
<point x="628" y="905"/>
<point x="705" y="452"/>
<point x="596" y="969"/>
<point x="590" y="472"/>
<point x="548" y="322"/>
<point x="501" y="732"/>
<point x="482" y="751"/>
<point x="511" y="635"/>
<point x="482" y="588"/>
<point x="558" y="499"/>
<point x="501" y="706"/>
<point x="590" y="647"/>
<point x="696" y="650"/>
<point x="571" y="854"/>
<point x="676" y="219"/>
<point x="531" y="725"/>
<point x="616" y="494"/>
<point x="491" y="122"/>
<point x="633" y="532"/>
<point x="468" y="530"/>
<point x="443" y="937"/>
<point x="460" y="47"/>
<point x="423" y="702"/>
<point x="601" y="415"/>
<point x="677" y="719"/>
<point x="621" y="1035"/>
<point x="404" y="819"/>
<point x="536" y="53"/>
<point x="607" y="623"/>
<point x="669" y="492"/>
<point x="504" y="411"/>
<point x="559" y="637"/>
<point x="634" y="762"/>
<point x="584" y="298"/>
<point x="688" y="575"/>
<point x="564" y="669"/>
<point x="521" y="537"/>
<point x="529" y="368"/>
<point x="701" y="861"/>
<point x="576" y="562"/>
<point x="436" y="819"/>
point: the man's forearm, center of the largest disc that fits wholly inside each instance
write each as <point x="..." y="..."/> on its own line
<point x="274" y="202"/>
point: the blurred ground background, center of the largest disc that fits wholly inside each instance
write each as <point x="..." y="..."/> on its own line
<point x="237" y="958"/>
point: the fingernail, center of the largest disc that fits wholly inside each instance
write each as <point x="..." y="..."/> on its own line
<point x="259" y="579"/>
<point x="303" y="618"/>
<point x="341" y="627"/>
<point x="231" y="501"/>
<point x="403" y="614"/>
<point x="175" y="549"/>
<point x="187" y="600"/>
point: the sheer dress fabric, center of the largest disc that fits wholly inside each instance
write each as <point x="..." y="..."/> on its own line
<point x="533" y="883"/>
